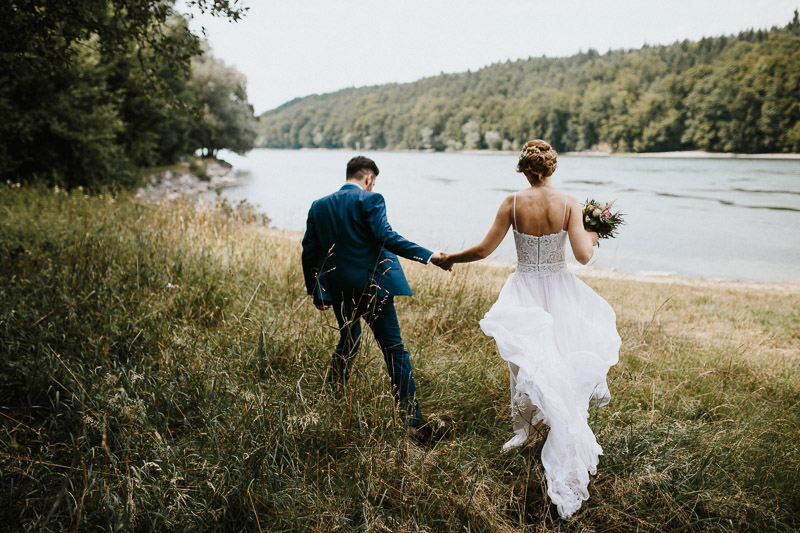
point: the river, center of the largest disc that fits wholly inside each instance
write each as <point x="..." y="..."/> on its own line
<point x="736" y="219"/>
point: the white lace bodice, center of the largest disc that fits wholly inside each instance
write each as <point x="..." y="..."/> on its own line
<point x="540" y="255"/>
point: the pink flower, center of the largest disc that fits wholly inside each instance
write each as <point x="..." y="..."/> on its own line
<point x="607" y="213"/>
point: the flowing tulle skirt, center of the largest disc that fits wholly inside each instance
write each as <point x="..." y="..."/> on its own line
<point x="559" y="338"/>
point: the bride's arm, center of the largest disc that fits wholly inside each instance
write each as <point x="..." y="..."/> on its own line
<point x="581" y="240"/>
<point x="492" y="240"/>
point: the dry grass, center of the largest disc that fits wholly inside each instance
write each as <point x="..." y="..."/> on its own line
<point x="163" y="370"/>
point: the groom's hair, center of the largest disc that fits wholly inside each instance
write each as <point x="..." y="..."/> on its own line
<point x="360" y="166"/>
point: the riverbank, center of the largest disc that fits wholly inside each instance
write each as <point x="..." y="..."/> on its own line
<point x="667" y="278"/>
<point x="171" y="350"/>
<point x="187" y="180"/>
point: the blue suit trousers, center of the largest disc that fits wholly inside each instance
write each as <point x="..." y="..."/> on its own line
<point x="379" y="313"/>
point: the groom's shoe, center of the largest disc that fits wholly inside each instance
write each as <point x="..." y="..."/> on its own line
<point x="421" y="434"/>
<point x="335" y="384"/>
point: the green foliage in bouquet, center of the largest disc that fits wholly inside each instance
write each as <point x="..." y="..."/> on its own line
<point x="599" y="218"/>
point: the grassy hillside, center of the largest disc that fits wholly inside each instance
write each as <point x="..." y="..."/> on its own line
<point x="726" y="94"/>
<point x="162" y="369"/>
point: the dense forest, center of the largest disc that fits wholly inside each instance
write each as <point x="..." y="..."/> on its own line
<point x="731" y="94"/>
<point x="93" y="91"/>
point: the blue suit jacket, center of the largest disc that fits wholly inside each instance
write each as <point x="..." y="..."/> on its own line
<point x="349" y="244"/>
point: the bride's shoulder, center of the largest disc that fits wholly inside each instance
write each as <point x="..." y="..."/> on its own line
<point x="511" y="198"/>
<point x="518" y="198"/>
<point x="561" y="195"/>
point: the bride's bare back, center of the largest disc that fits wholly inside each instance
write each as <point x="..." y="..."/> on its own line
<point x="539" y="211"/>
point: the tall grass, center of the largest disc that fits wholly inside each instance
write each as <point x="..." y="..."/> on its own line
<point x="163" y="369"/>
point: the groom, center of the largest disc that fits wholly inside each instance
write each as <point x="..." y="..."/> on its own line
<point x="350" y="263"/>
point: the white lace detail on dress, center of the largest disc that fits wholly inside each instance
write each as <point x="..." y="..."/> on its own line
<point x="540" y="255"/>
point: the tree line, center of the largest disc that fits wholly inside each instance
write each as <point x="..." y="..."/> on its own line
<point x="730" y="94"/>
<point x="92" y="91"/>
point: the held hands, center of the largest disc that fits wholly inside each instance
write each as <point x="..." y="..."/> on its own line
<point x="442" y="260"/>
<point x="447" y="262"/>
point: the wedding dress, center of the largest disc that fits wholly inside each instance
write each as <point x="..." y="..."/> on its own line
<point x="559" y="338"/>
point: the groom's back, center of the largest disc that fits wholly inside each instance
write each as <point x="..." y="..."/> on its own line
<point x="341" y="219"/>
<point x="344" y="236"/>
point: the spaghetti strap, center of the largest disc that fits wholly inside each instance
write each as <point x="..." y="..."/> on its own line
<point x="515" y="212"/>
<point x="566" y="197"/>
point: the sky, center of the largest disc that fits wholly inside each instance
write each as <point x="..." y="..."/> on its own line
<point x="294" y="48"/>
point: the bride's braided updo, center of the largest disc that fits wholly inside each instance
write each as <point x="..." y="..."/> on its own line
<point x="537" y="161"/>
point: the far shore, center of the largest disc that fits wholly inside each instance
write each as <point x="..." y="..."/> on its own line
<point x="685" y="154"/>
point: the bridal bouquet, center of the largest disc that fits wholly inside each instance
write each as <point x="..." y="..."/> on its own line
<point x="598" y="217"/>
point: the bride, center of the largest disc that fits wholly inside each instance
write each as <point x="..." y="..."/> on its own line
<point x="558" y="336"/>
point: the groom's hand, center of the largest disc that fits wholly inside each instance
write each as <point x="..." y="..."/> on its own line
<point x="321" y="306"/>
<point x="440" y="259"/>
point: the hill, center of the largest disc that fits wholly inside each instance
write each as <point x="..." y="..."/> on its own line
<point x="726" y="94"/>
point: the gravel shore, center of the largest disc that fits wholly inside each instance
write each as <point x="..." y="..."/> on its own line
<point x="173" y="184"/>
